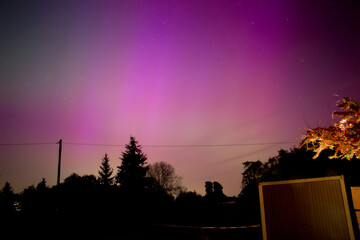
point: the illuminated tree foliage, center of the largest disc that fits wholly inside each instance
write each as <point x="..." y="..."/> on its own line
<point x="343" y="137"/>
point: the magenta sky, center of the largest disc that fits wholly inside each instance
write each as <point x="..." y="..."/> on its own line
<point x="168" y="73"/>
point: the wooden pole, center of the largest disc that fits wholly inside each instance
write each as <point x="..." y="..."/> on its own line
<point x="59" y="162"/>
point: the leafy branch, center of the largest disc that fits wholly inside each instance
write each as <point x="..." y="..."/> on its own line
<point x="343" y="136"/>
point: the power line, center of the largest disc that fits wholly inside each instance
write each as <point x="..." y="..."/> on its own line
<point x="185" y="145"/>
<point x="24" y="144"/>
<point x="155" y="146"/>
<point x="95" y="144"/>
<point x="217" y="145"/>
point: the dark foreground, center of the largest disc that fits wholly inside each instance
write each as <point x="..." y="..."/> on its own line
<point x="38" y="229"/>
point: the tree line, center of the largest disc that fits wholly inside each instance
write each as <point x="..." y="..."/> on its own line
<point x="143" y="195"/>
<point x="138" y="195"/>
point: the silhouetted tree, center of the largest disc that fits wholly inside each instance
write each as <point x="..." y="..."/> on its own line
<point x="293" y="164"/>
<point x="214" y="192"/>
<point x="133" y="168"/>
<point x="253" y="172"/>
<point x="218" y="192"/>
<point x="8" y="212"/>
<point x="84" y="182"/>
<point x="42" y="185"/>
<point x="209" y="189"/>
<point x="105" y="172"/>
<point x="190" y="197"/>
<point x="28" y="201"/>
<point x="165" y="178"/>
<point x="7" y="200"/>
<point x="7" y="190"/>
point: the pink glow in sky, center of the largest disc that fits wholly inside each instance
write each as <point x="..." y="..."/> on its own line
<point x="169" y="73"/>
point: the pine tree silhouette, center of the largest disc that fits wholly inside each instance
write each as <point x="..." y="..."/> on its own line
<point x="133" y="168"/>
<point x="105" y="172"/>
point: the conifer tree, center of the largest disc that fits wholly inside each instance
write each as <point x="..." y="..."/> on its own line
<point x="7" y="200"/>
<point x="7" y="189"/>
<point x="133" y="168"/>
<point x="105" y="172"/>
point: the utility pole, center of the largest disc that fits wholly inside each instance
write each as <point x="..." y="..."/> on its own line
<point x="59" y="162"/>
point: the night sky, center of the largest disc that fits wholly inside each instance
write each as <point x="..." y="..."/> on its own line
<point x="169" y="73"/>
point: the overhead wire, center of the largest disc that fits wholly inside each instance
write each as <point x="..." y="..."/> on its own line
<point x="94" y="144"/>
<point x="156" y="146"/>
<point x="215" y="145"/>
<point x="25" y="144"/>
